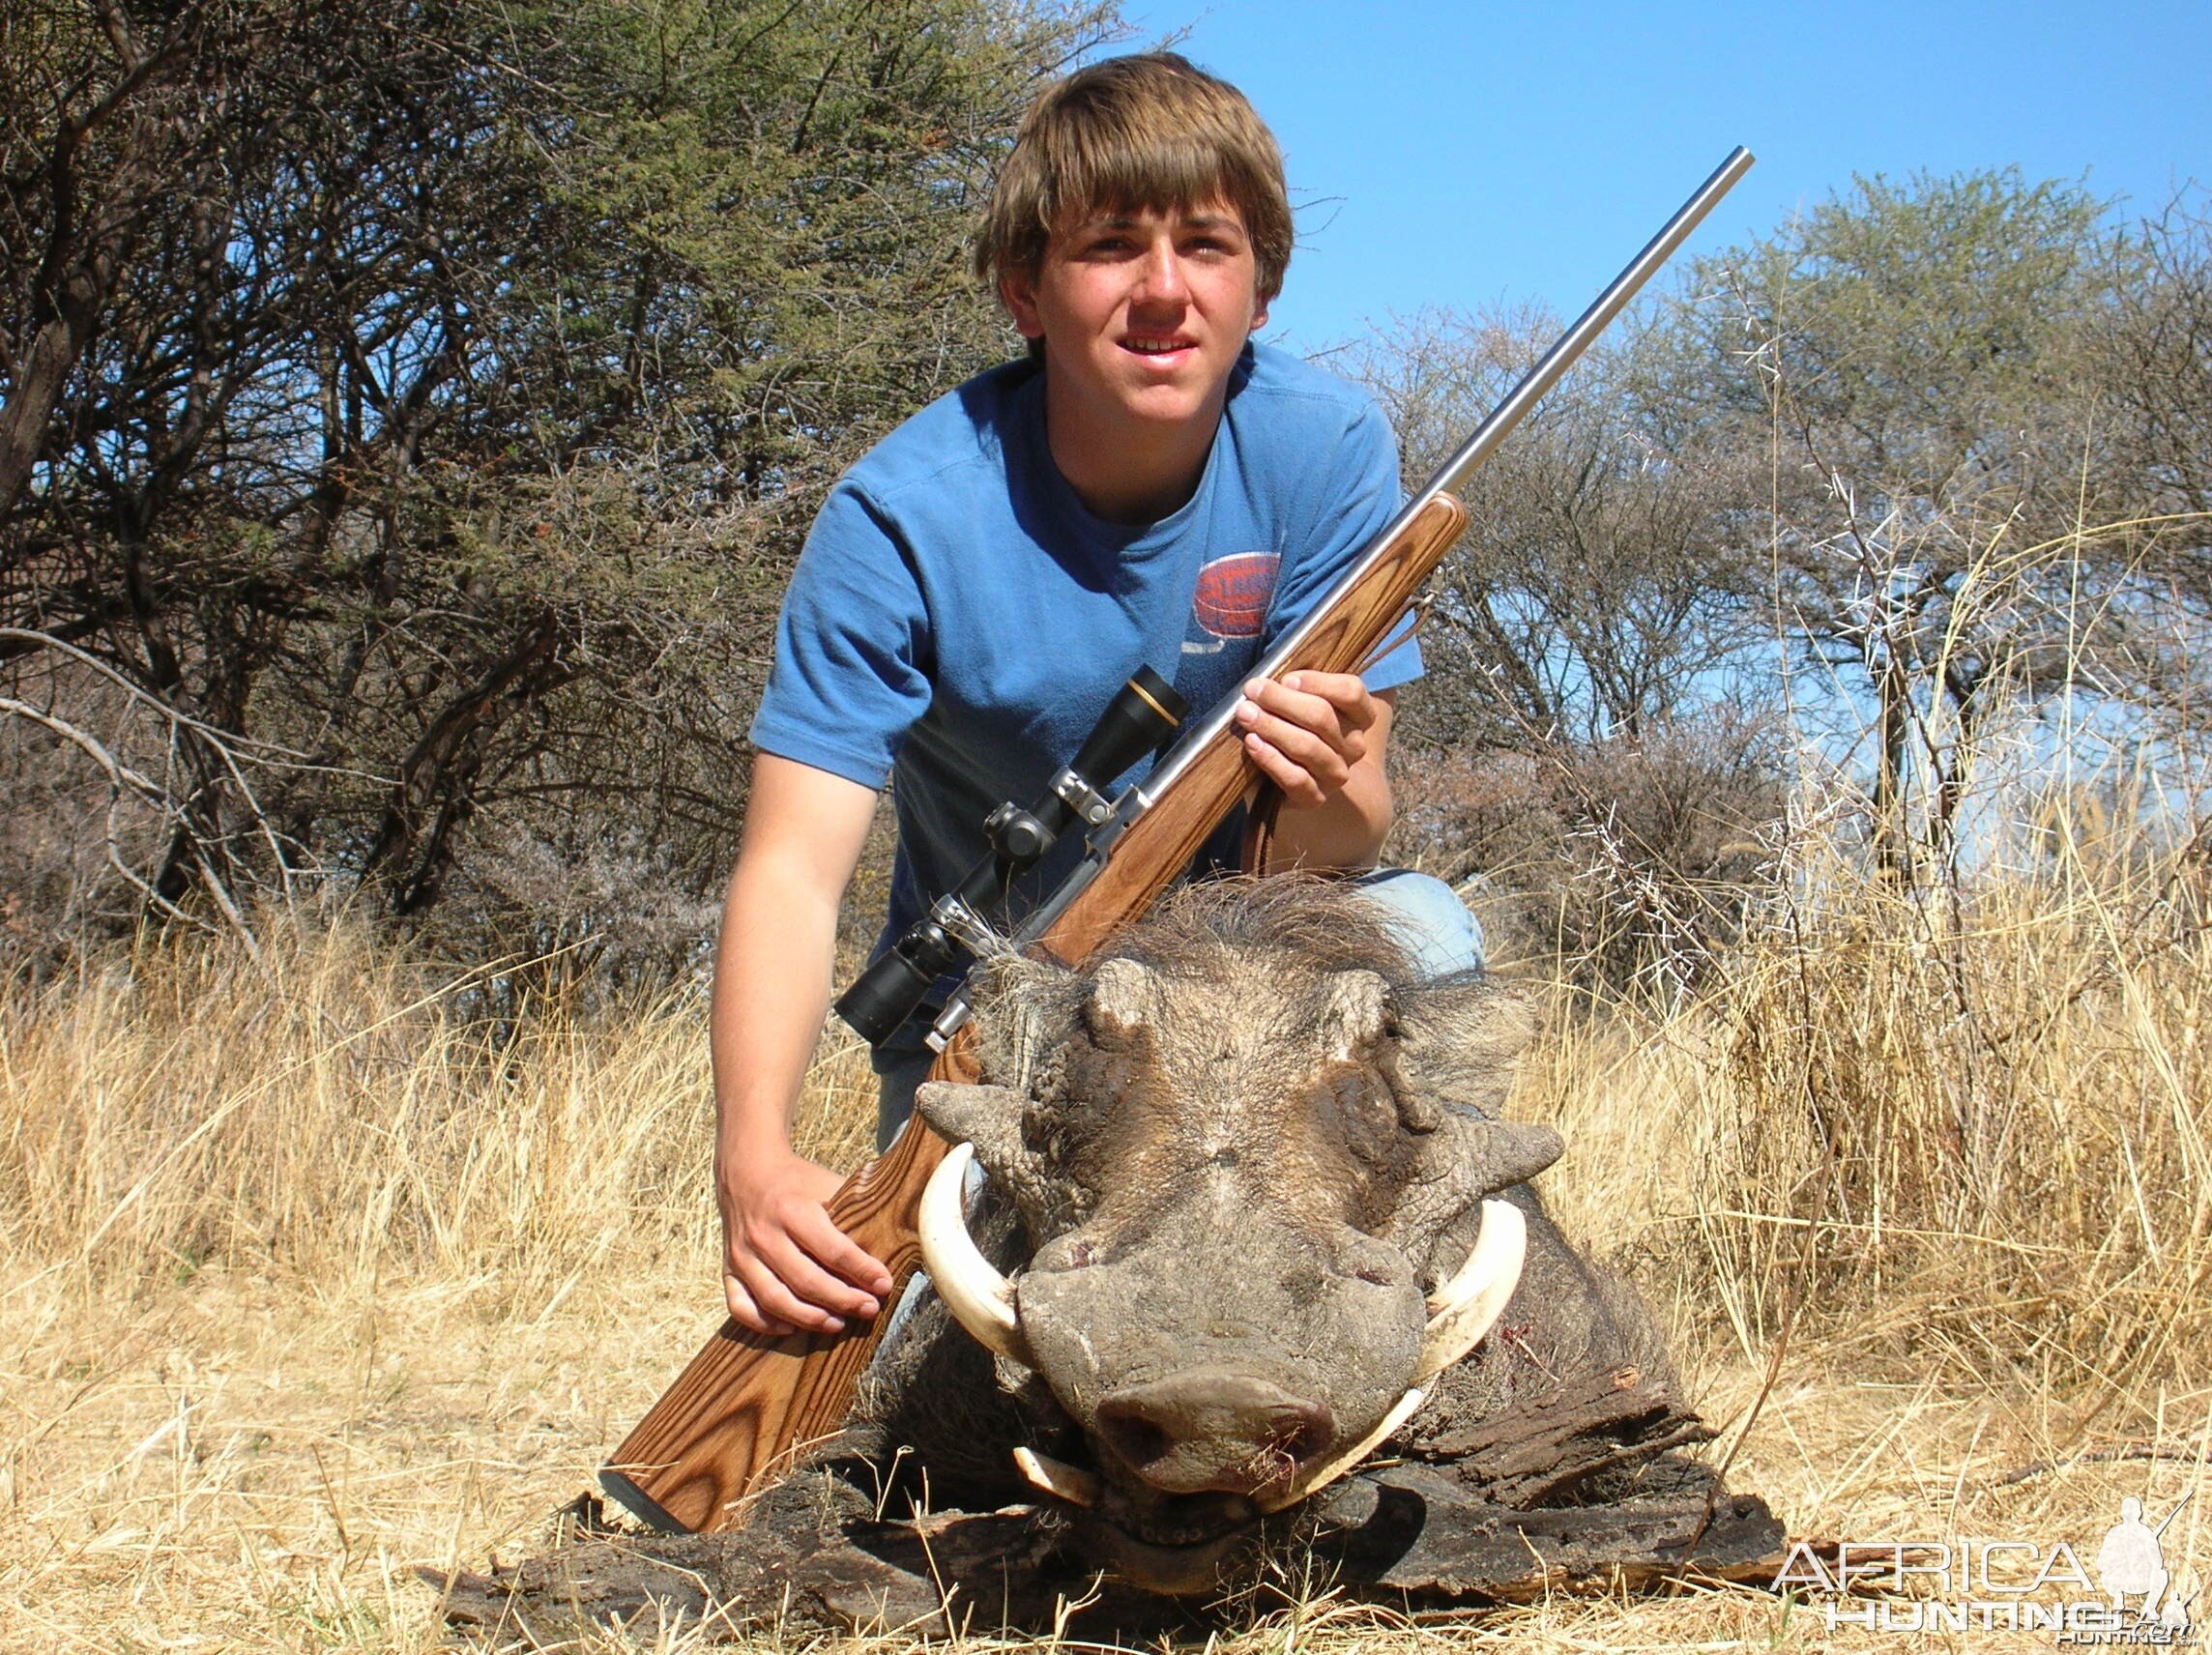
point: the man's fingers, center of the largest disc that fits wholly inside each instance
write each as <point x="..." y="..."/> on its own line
<point x="776" y="1302"/>
<point x="1320" y="701"/>
<point x="1328" y="753"/>
<point x="1266" y="699"/>
<point x="1347" y="692"/>
<point x="1319" y="755"/>
<point x="809" y="1283"/>
<point x="786" y="1266"/>
<point x="747" y="1314"/>
<point x="1293" y="781"/>
<point x="833" y="1249"/>
<point x="1339" y="730"/>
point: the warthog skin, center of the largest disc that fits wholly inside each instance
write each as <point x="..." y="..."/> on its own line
<point x="1227" y="1160"/>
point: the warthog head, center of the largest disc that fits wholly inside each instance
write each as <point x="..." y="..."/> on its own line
<point x="1250" y="1156"/>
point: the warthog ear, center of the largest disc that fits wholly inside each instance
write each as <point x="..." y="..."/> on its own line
<point x="1461" y="1046"/>
<point x="1457" y="1051"/>
<point x="988" y="1116"/>
<point x="1122" y="999"/>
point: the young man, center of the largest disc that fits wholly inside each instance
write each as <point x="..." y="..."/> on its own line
<point x="1148" y="487"/>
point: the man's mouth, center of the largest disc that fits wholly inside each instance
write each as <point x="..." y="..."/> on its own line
<point x="1163" y="347"/>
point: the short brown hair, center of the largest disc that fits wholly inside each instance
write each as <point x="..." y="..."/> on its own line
<point x="1148" y="130"/>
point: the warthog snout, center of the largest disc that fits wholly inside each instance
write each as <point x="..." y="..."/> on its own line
<point x="1214" y="1430"/>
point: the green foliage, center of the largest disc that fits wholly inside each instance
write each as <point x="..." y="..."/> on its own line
<point x="1922" y="338"/>
<point x="1595" y="594"/>
<point x="1920" y="364"/>
<point x="1912" y="434"/>
<point x="459" y="380"/>
<point x="410" y="409"/>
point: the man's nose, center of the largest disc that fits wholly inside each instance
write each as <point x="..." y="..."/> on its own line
<point x="1161" y="278"/>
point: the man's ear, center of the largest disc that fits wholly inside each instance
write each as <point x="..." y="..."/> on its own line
<point x="1017" y="292"/>
<point x="1260" y="316"/>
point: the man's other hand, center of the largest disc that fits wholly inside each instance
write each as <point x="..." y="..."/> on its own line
<point x="785" y="1268"/>
<point x="1308" y="731"/>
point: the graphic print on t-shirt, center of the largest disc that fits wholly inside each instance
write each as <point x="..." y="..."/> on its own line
<point x="1230" y="601"/>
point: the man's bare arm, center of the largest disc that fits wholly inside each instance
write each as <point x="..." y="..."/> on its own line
<point x="784" y="1266"/>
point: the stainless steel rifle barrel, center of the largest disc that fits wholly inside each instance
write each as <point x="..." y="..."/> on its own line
<point x="1493" y="430"/>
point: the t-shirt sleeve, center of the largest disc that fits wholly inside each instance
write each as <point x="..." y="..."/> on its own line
<point x="1360" y="497"/>
<point x="851" y="673"/>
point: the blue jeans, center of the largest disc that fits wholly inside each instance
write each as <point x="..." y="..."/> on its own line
<point x="1434" y="927"/>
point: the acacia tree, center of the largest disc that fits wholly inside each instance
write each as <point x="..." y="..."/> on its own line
<point x="2156" y="352"/>
<point x="412" y="407"/>
<point x="1600" y="590"/>
<point x="1915" y="358"/>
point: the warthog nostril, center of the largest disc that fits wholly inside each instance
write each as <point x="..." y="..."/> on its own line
<point x="1213" y="1428"/>
<point x="1308" y="1435"/>
<point x="1135" y="1439"/>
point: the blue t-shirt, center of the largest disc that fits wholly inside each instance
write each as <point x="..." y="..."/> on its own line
<point x="958" y="618"/>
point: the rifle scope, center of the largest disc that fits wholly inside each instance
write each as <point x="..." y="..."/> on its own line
<point x="1143" y="712"/>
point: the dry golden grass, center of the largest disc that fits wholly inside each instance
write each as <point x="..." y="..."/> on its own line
<point x="306" y="1278"/>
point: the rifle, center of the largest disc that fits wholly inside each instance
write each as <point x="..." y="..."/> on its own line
<point x="746" y="1406"/>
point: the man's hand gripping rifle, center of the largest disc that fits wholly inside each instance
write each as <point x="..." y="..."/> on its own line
<point x="746" y="1406"/>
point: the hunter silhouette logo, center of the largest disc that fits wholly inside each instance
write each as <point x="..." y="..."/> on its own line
<point x="2021" y="1586"/>
<point x="2132" y="1564"/>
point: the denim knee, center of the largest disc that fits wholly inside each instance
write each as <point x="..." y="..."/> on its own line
<point x="1438" y="933"/>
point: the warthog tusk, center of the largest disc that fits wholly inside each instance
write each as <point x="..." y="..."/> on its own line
<point x="1070" y="1483"/>
<point x="980" y="1299"/>
<point x="1321" y="1475"/>
<point x="1464" y="1308"/>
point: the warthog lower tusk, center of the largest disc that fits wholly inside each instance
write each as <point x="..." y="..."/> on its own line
<point x="980" y="1299"/>
<point x="1321" y="1475"/>
<point x="1464" y="1308"/>
<point x="1062" y="1481"/>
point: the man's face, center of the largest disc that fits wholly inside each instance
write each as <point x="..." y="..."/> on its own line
<point x="1142" y="312"/>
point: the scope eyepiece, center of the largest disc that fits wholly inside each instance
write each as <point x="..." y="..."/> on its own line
<point x="1143" y="712"/>
<point x="885" y="995"/>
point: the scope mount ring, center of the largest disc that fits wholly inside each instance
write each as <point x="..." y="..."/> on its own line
<point x="1080" y="797"/>
<point x="957" y="1012"/>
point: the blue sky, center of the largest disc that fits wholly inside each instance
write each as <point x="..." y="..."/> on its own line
<point x="1462" y="155"/>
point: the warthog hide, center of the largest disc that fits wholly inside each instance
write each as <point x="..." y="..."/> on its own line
<point x="1229" y="1164"/>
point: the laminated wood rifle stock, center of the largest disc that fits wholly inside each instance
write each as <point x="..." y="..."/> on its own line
<point x="746" y="1406"/>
